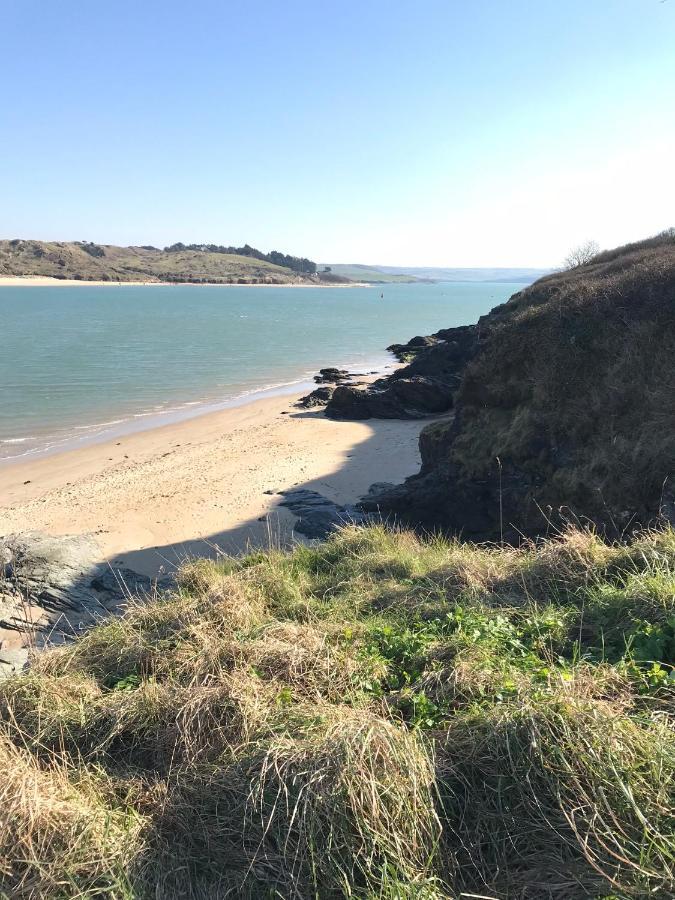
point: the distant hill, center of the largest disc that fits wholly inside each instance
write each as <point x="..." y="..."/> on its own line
<point x="507" y="275"/>
<point x="84" y="261"/>
<point x="368" y="274"/>
<point x="401" y="274"/>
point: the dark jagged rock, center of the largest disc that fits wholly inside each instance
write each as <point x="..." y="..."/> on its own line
<point x="331" y="375"/>
<point x="424" y="387"/>
<point x="126" y="582"/>
<point x="318" y="397"/>
<point x="446" y="357"/>
<point x="318" y="516"/>
<point x="380" y="487"/>
<point x="52" y="588"/>
<point x="402" y="398"/>
<point x="404" y="352"/>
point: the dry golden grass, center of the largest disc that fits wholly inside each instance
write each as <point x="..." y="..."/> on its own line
<point x="380" y="716"/>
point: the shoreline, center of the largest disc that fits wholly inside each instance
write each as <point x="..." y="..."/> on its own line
<point x="140" y="422"/>
<point x="206" y="485"/>
<point x="48" y="281"/>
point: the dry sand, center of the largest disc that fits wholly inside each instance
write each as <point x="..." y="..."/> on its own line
<point x="155" y="497"/>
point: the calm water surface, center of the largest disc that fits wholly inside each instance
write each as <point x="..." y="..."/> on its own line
<point x="84" y="363"/>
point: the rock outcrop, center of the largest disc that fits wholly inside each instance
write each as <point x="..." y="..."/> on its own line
<point x="51" y="588"/>
<point x="331" y="375"/>
<point x="426" y="386"/>
<point x="318" y="397"/>
<point x="317" y="515"/>
<point x="402" y="398"/>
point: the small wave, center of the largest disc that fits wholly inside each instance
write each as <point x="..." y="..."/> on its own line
<point x="32" y="451"/>
<point x="17" y="440"/>
<point x="273" y="386"/>
<point x="99" y="425"/>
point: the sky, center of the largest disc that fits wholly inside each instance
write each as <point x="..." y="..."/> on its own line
<point x="427" y="133"/>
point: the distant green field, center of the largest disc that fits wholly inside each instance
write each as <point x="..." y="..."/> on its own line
<point x="369" y="274"/>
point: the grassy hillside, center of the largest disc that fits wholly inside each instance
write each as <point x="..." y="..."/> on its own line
<point x="370" y="274"/>
<point x="374" y="717"/>
<point x="565" y="408"/>
<point x="99" y="262"/>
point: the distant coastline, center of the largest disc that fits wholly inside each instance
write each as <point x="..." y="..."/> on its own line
<point x="175" y="264"/>
<point x="48" y="281"/>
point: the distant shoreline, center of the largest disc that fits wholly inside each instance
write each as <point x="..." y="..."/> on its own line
<point x="48" y="281"/>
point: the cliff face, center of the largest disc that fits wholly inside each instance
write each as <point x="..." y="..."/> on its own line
<point x="564" y="406"/>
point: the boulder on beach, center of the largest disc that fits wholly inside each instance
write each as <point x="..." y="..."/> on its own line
<point x="317" y="515"/>
<point x="318" y="397"/>
<point x="331" y="375"/>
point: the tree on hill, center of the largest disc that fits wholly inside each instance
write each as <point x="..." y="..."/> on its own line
<point x="582" y="254"/>
<point x="295" y="263"/>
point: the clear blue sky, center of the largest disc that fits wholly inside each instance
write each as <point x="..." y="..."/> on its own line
<point x="483" y="132"/>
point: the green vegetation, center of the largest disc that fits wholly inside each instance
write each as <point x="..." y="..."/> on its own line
<point x="85" y="261"/>
<point x="369" y="274"/>
<point x="296" y="263"/>
<point x="378" y="716"/>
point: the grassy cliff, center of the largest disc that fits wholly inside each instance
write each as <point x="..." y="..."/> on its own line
<point x="104" y="262"/>
<point x="565" y="409"/>
<point x="375" y="717"/>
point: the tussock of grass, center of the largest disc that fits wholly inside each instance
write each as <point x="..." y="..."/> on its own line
<point x="62" y="833"/>
<point x="378" y="716"/>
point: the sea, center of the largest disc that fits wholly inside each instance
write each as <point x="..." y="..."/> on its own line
<point x="88" y="363"/>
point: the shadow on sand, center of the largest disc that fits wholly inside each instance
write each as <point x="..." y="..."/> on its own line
<point x="385" y="455"/>
<point x="50" y="597"/>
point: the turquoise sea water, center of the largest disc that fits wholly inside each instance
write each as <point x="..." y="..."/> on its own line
<point x="85" y="363"/>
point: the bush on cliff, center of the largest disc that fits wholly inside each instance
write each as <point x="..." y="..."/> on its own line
<point x="379" y="716"/>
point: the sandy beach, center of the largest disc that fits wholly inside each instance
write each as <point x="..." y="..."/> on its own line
<point x="155" y="497"/>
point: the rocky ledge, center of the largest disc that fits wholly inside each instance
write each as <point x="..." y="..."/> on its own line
<point x="52" y="588"/>
<point x="425" y="386"/>
<point x="318" y="516"/>
<point x="329" y="379"/>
